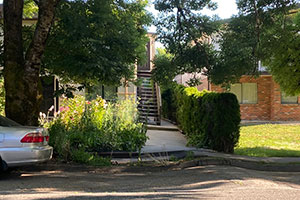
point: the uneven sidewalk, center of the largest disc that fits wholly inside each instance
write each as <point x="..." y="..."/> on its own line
<point x="167" y="140"/>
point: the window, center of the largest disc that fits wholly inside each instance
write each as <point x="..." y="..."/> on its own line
<point x="106" y="92"/>
<point x="285" y="99"/>
<point x="129" y="91"/>
<point x="246" y="93"/>
<point x="237" y="90"/>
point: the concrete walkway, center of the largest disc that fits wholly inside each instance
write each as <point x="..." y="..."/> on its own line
<point x="165" y="138"/>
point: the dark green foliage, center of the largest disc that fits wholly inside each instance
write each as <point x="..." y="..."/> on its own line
<point x="263" y="31"/>
<point x="209" y="119"/>
<point x="185" y="33"/>
<point x="97" y="41"/>
<point x="283" y="59"/>
<point x="168" y="103"/>
<point x="221" y="119"/>
<point x="164" y="71"/>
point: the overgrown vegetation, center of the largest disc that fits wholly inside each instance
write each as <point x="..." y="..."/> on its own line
<point x="84" y="128"/>
<point x="269" y="140"/>
<point x="209" y="119"/>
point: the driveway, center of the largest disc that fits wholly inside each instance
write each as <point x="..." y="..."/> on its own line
<point x="64" y="181"/>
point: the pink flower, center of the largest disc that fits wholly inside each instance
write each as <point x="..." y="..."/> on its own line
<point x="66" y="108"/>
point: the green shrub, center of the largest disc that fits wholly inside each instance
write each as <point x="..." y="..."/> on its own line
<point x="168" y="105"/>
<point x="221" y="119"/>
<point x="85" y="127"/>
<point x="209" y="119"/>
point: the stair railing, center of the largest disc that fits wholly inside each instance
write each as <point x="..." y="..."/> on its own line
<point x="158" y="100"/>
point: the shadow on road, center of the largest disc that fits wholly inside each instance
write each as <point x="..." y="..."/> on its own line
<point x="131" y="182"/>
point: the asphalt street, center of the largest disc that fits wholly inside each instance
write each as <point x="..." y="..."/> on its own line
<point x="68" y="182"/>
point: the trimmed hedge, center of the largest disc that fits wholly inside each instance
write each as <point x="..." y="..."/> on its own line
<point x="210" y="120"/>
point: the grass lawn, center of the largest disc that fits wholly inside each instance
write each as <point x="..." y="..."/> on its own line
<point x="269" y="140"/>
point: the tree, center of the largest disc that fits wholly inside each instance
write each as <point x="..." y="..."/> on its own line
<point x="89" y="42"/>
<point x="21" y="72"/>
<point x="164" y="70"/>
<point x="283" y="59"/>
<point x="262" y="32"/>
<point x="186" y="34"/>
<point x="97" y="41"/>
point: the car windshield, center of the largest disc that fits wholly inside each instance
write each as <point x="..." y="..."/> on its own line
<point x="4" y="121"/>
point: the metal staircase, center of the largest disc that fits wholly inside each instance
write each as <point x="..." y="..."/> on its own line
<point x="149" y="99"/>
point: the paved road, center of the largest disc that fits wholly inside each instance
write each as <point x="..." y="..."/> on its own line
<point x="70" y="182"/>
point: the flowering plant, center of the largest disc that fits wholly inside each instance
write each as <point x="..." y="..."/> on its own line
<point x="95" y="126"/>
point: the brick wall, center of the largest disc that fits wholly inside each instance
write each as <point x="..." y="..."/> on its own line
<point x="284" y="112"/>
<point x="268" y="105"/>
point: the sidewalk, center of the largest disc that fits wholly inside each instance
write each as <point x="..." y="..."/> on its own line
<point x="165" y="138"/>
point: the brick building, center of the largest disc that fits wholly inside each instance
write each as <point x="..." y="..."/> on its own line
<point x="261" y="99"/>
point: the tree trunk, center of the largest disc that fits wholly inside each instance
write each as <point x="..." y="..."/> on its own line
<point x="13" y="60"/>
<point x="22" y="81"/>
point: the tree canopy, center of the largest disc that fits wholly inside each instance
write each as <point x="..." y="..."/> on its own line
<point x="263" y="32"/>
<point x="97" y="41"/>
<point x="87" y="41"/>
<point x="186" y="34"/>
<point x="283" y="59"/>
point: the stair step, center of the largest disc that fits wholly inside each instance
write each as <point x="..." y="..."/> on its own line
<point x="146" y="92"/>
<point x="151" y="120"/>
<point x="149" y="117"/>
<point x="146" y="97"/>
<point x="146" y="89"/>
<point x="148" y="102"/>
<point x="147" y="86"/>
<point x="144" y="110"/>
<point x="144" y="74"/>
<point x="148" y="114"/>
<point x="154" y="106"/>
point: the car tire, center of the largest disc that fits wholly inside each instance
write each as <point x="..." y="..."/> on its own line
<point x="3" y="165"/>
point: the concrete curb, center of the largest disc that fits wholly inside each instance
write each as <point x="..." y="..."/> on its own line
<point x="259" y="166"/>
<point x="208" y="157"/>
<point x="134" y="155"/>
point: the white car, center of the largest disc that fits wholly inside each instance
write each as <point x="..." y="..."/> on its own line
<point x="22" y="145"/>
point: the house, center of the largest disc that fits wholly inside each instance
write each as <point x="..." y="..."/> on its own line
<point x="260" y="98"/>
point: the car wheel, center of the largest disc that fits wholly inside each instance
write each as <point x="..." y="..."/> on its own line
<point x="3" y="165"/>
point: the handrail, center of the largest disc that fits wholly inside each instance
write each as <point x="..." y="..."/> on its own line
<point x="158" y="98"/>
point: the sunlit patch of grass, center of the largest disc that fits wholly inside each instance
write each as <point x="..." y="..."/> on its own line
<point x="269" y="140"/>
